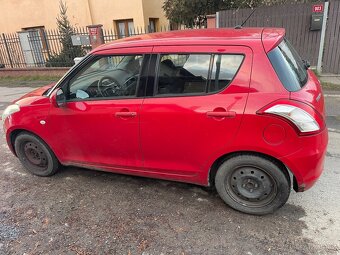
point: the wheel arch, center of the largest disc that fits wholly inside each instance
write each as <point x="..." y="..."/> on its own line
<point x="14" y="134"/>
<point x="219" y="161"/>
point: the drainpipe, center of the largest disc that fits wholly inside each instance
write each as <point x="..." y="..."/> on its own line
<point x="90" y="11"/>
<point x="217" y="19"/>
<point x="322" y="39"/>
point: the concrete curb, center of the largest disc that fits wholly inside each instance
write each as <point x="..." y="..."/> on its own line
<point x="334" y="130"/>
<point x="332" y="95"/>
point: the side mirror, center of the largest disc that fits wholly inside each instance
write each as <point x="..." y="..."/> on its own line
<point x="58" y="98"/>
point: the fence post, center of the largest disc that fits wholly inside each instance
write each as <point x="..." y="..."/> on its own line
<point x="217" y="19"/>
<point x="7" y="50"/>
<point x="322" y="39"/>
<point x="96" y="35"/>
<point x="211" y="21"/>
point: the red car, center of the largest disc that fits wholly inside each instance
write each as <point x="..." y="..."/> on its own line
<point x="235" y="109"/>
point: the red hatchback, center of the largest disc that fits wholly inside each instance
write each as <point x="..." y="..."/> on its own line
<point x="236" y="109"/>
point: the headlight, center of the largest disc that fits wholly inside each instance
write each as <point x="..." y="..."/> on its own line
<point x="10" y="110"/>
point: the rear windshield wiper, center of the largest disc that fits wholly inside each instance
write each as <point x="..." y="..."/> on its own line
<point x="306" y="63"/>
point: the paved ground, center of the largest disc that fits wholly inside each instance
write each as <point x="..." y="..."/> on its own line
<point x="78" y="211"/>
<point x="330" y="78"/>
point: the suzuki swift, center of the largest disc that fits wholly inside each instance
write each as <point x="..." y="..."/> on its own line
<point x="234" y="109"/>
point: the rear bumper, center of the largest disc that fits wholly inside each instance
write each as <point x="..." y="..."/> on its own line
<point x="307" y="163"/>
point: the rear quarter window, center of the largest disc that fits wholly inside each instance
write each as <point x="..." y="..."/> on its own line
<point x="288" y="66"/>
<point x="224" y="69"/>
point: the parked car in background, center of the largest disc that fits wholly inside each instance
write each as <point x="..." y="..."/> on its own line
<point x="235" y="109"/>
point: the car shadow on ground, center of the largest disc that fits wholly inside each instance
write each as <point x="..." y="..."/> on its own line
<point x="79" y="210"/>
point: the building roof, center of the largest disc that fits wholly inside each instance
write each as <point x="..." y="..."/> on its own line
<point x="270" y="37"/>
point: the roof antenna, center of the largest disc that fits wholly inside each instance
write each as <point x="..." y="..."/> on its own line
<point x="240" y="26"/>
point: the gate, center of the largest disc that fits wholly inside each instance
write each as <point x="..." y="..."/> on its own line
<point x="31" y="46"/>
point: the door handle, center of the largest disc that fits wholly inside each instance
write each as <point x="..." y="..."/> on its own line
<point x="226" y="114"/>
<point x="126" y="114"/>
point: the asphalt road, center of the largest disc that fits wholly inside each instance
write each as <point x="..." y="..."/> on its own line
<point x="79" y="211"/>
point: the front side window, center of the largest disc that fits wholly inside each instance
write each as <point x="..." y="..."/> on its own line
<point x="196" y="73"/>
<point x="107" y="76"/>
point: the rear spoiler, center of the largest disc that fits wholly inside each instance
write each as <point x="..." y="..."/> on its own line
<point x="271" y="37"/>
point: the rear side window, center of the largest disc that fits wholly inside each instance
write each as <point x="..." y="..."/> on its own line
<point x="183" y="74"/>
<point x="288" y="66"/>
<point x="195" y="73"/>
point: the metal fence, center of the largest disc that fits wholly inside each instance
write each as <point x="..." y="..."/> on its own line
<point x="43" y="48"/>
<point x="296" y="19"/>
<point x="112" y="34"/>
<point x="11" y="54"/>
<point x="36" y="48"/>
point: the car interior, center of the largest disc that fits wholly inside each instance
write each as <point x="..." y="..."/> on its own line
<point x="107" y="77"/>
<point x="183" y="74"/>
<point x="117" y="76"/>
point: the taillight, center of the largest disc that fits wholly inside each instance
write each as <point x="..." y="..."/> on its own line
<point x="301" y="119"/>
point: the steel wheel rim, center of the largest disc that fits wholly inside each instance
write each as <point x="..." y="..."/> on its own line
<point x="251" y="186"/>
<point x="35" y="155"/>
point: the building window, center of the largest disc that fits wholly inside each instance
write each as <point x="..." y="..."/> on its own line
<point x="153" y="25"/>
<point x="124" y="27"/>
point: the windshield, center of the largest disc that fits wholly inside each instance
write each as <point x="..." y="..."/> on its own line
<point x="288" y="66"/>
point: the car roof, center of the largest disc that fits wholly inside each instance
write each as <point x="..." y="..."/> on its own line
<point x="270" y="37"/>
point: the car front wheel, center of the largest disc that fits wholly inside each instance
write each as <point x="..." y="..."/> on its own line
<point x="253" y="184"/>
<point x="35" y="155"/>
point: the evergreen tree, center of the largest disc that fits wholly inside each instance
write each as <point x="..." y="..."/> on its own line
<point x="68" y="51"/>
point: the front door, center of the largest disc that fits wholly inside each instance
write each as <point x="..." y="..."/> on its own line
<point x="99" y="126"/>
<point x="195" y="109"/>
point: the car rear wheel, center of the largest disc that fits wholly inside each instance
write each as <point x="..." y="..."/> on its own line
<point x="253" y="184"/>
<point x="35" y="155"/>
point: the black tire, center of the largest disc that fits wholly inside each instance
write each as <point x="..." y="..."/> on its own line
<point x="35" y="155"/>
<point x="253" y="184"/>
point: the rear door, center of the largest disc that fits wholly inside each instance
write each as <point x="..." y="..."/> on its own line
<point x="193" y="111"/>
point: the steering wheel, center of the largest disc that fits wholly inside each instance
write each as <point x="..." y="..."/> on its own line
<point x="108" y="86"/>
<point x="130" y="85"/>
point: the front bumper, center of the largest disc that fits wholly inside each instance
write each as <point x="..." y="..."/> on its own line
<point x="8" y="134"/>
<point x="307" y="163"/>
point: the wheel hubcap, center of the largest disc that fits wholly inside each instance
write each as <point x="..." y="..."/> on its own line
<point x="35" y="155"/>
<point x="252" y="186"/>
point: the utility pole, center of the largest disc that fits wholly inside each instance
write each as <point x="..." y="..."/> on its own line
<point x="322" y="39"/>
